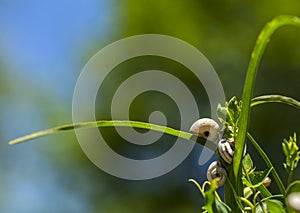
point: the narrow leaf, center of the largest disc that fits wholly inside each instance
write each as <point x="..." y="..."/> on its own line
<point x="275" y="99"/>
<point x="116" y="123"/>
<point x="269" y="164"/>
<point x="248" y="163"/>
<point x="293" y="187"/>
<point x="257" y="178"/>
<point x="271" y="206"/>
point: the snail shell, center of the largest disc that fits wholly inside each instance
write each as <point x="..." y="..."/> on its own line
<point x="206" y="128"/>
<point x="226" y="150"/>
<point x="267" y="182"/>
<point x="216" y="171"/>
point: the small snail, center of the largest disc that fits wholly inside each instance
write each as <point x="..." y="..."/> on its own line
<point x="206" y="128"/>
<point x="216" y="171"/>
<point x="209" y="129"/>
<point x="226" y="150"/>
<point x="267" y="182"/>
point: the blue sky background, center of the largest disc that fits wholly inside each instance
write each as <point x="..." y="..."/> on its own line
<point x="45" y="39"/>
<point x="43" y="47"/>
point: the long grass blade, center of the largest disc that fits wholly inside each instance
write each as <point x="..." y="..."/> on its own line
<point x="264" y="99"/>
<point x="268" y="162"/>
<point x="116" y="123"/>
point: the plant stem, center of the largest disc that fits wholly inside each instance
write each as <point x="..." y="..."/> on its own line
<point x="256" y="55"/>
<point x="290" y="178"/>
<point x="248" y="203"/>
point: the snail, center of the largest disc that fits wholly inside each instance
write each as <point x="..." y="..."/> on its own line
<point x="267" y="182"/>
<point x="210" y="130"/>
<point x="206" y="128"/>
<point x="226" y="150"/>
<point x="216" y="171"/>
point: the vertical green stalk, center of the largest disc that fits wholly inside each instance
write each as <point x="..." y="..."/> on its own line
<point x="262" y="41"/>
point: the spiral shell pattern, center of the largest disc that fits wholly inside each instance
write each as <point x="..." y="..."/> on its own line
<point x="216" y="171"/>
<point x="226" y="150"/>
<point x="206" y="128"/>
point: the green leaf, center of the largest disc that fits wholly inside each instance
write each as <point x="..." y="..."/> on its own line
<point x="221" y="113"/>
<point x="213" y="205"/>
<point x="275" y="99"/>
<point x="258" y="208"/>
<point x="115" y="123"/>
<point x="293" y="187"/>
<point x="257" y="178"/>
<point x="247" y="162"/>
<point x="275" y="206"/>
<point x="264" y="191"/>
<point x="220" y="207"/>
<point x="268" y="162"/>
<point x="247" y="192"/>
<point x="233" y="109"/>
<point x="271" y="206"/>
<point x="247" y="172"/>
<point x="285" y="148"/>
<point x="229" y="116"/>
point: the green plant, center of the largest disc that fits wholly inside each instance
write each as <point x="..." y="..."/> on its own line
<point x="290" y="150"/>
<point x="256" y="197"/>
<point x="245" y="189"/>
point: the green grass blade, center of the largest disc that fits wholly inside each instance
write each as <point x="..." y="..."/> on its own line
<point x="262" y="41"/>
<point x="116" y="123"/>
<point x="275" y="99"/>
<point x="268" y="163"/>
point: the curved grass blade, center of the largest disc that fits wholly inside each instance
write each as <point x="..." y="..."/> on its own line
<point x="261" y="43"/>
<point x="268" y="162"/>
<point x="264" y="99"/>
<point x="116" y="123"/>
